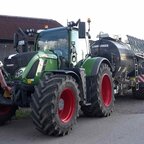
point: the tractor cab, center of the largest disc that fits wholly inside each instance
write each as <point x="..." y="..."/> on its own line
<point x="64" y="42"/>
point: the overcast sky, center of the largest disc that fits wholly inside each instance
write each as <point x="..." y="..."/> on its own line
<point x="116" y="17"/>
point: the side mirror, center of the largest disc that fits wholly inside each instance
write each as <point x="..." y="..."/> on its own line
<point x="82" y="30"/>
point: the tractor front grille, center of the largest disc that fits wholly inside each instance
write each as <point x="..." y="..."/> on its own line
<point x="18" y="61"/>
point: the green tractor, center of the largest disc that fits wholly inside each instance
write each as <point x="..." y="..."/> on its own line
<point x="59" y="78"/>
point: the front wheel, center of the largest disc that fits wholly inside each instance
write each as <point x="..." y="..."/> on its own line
<point x="100" y="89"/>
<point x="55" y="104"/>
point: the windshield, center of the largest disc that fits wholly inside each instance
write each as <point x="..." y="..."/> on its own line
<point x="55" y="40"/>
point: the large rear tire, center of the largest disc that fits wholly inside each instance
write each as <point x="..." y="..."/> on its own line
<point x="55" y="104"/>
<point x="101" y="93"/>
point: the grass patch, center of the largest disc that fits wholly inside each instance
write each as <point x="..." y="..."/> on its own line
<point x="23" y="113"/>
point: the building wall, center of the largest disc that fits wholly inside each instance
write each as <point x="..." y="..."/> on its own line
<point x="10" y="24"/>
<point x="6" y="50"/>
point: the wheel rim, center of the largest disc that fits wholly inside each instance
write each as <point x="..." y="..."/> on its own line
<point x="106" y="90"/>
<point x="4" y="110"/>
<point x="67" y="104"/>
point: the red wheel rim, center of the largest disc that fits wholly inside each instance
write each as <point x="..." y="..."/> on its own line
<point x="4" y="110"/>
<point x="106" y="90"/>
<point x="67" y="104"/>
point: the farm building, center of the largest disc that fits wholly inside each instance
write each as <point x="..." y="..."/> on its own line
<point x="10" y="24"/>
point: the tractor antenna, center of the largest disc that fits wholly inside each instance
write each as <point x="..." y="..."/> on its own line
<point x="77" y="22"/>
<point x="88" y="33"/>
<point x="89" y="21"/>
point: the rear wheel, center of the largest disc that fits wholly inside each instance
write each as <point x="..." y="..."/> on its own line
<point x="55" y="104"/>
<point x="101" y="93"/>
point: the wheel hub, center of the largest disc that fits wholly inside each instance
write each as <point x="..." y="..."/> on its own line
<point x="61" y="104"/>
<point x="66" y="105"/>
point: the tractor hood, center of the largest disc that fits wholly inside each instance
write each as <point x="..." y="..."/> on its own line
<point x="49" y="54"/>
<point x="14" y="62"/>
<point x="20" y="62"/>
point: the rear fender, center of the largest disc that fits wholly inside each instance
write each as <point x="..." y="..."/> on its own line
<point x="92" y="65"/>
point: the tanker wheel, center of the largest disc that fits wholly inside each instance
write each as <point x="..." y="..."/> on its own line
<point x="55" y="104"/>
<point x="102" y="95"/>
<point x="6" y="113"/>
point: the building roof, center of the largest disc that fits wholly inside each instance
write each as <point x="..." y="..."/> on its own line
<point x="10" y="24"/>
